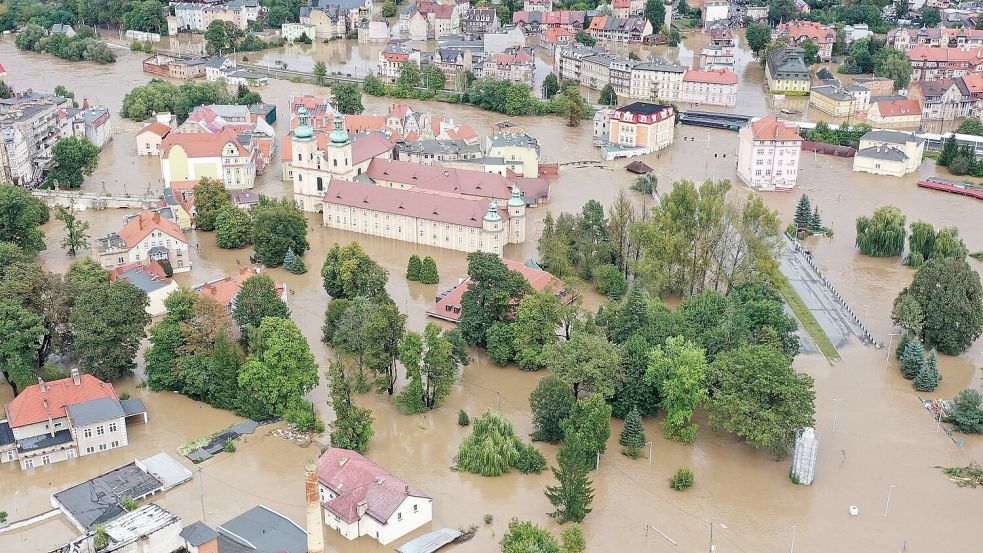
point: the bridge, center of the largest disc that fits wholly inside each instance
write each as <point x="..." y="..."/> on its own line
<point x="715" y="120"/>
<point x="583" y="163"/>
<point x="54" y="198"/>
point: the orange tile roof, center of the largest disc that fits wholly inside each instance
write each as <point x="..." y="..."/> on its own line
<point x="203" y="144"/>
<point x="553" y="34"/>
<point x="140" y="226"/>
<point x="770" y="128"/>
<point x="159" y="129"/>
<point x="224" y="290"/>
<point x="898" y="108"/>
<point x="974" y="82"/>
<point x="29" y="406"/>
<point x="937" y="54"/>
<point x="597" y="24"/>
<point x="717" y="76"/>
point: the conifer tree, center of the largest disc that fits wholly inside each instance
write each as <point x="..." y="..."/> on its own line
<point x="913" y="359"/>
<point x="928" y="378"/>
<point x="902" y="345"/>
<point x="574" y="494"/>
<point x="293" y="263"/>
<point x="949" y="151"/>
<point x="803" y="213"/>
<point x="428" y="271"/>
<point x="816" y="222"/>
<point x="413" y="268"/>
<point x="633" y="435"/>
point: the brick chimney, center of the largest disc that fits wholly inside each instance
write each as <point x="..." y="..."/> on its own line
<point x="156" y="216"/>
<point x="315" y="519"/>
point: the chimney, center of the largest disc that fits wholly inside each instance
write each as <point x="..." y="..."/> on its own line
<point x="361" y="508"/>
<point x="75" y="377"/>
<point x="85" y="103"/>
<point x="342" y="461"/>
<point x="140" y="221"/>
<point x="41" y="385"/>
<point x="156" y="217"/>
<point x="315" y="520"/>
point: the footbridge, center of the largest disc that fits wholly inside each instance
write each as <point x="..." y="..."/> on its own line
<point x="54" y="198"/>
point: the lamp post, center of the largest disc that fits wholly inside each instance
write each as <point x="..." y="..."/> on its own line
<point x="792" y="549"/>
<point x="888" y="504"/>
<point x="887" y="354"/>
<point x="650" y="451"/>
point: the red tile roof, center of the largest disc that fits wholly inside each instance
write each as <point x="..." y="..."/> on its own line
<point x="224" y="290"/>
<point x="819" y="33"/>
<point x="717" y="76"/>
<point x="203" y="144"/>
<point x="450" y="208"/>
<point x="140" y="226"/>
<point x="898" y="108"/>
<point x="355" y="479"/>
<point x="538" y="279"/>
<point x="974" y="82"/>
<point x="32" y="405"/>
<point x="553" y="34"/>
<point x="441" y="179"/>
<point x="951" y="55"/>
<point x="770" y="128"/>
<point x="151" y="268"/>
<point x="159" y="129"/>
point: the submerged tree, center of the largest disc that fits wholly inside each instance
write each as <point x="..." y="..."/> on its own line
<point x="492" y="448"/>
<point x="803" y="213"/>
<point x="550" y="402"/>
<point x="928" y="377"/>
<point x="352" y="427"/>
<point x="632" y="435"/>
<point x="912" y="359"/>
<point x="573" y="493"/>
<point x="76" y="236"/>
<point x="882" y="235"/>
<point x="678" y="369"/>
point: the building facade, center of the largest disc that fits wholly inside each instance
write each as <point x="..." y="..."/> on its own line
<point x="933" y="64"/>
<point x="768" y="154"/>
<point x="839" y="100"/>
<point x="895" y="113"/>
<point x="798" y="32"/>
<point x="642" y="125"/>
<point x="716" y="88"/>
<point x="786" y="71"/>
<point x="147" y="236"/>
<point x="191" y="156"/>
<point x="889" y="153"/>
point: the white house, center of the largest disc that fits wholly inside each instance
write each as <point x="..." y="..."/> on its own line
<point x="145" y="237"/>
<point x="889" y="153"/>
<point x="293" y="31"/>
<point x="768" y="154"/>
<point x="360" y="498"/>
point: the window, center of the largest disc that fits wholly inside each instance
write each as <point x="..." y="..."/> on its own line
<point x="399" y="516"/>
<point x="335" y="162"/>
<point x="70" y="454"/>
<point x="415" y="508"/>
<point x="115" y="443"/>
<point x="90" y="449"/>
<point x="100" y="430"/>
<point x="300" y="157"/>
<point x="320" y="184"/>
<point x="28" y="463"/>
<point x="87" y="432"/>
<point x="58" y="425"/>
<point x="45" y="459"/>
<point x="112" y="427"/>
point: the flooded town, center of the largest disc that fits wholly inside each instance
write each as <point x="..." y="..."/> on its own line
<point x="874" y="480"/>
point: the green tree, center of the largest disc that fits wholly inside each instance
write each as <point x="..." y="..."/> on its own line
<point x="280" y="369"/>
<point x="409" y="77"/>
<point x="293" y="263"/>
<point x="948" y="291"/>
<point x="491" y="449"/>
<point x="756" y="394"/>
<point x="572" y="540"/>
<point x="18" y="349"/>
<point x="210" y="197"/>
<point x="433" y="78"/>
<point x="590" y="420"/>
<point x="575" y="106"/>
<point x="897" y="68"/>
<point x="147" y="16"/>
<point x="428" y="271"/>
<point x="573" y="494"/>
<point x="551" y="85"/>
<point x="432" y="361"/>
<point x="258" y="299"/>
<point x="758" y="35"/>
<point x="816" y="221"/>
<point x="610" y="282"/>
<point x="584" y="38"/>
<point x="634" y="392"/>
<point x="75" y="159"/>
<point x="930" y="18"/>
<point x="803" y="212"/>
<point x="883" y="234"/>
<point x="500" y="343"/>
<point x="682" y="479"/>
<point x="347" y="98"/>
<point x="385" y="330"/>
<point x="647" y="184"/>
<point x="389" y="9"/>
<point x="413" y="268"/>
<point x="586" y="362"/>
<point x="528" y="537"/>
<point x="655" y="13"/>
<point x="633" y="434"/>
<point x="278" y="226"/>
<point x="928" y="378"/>
<point x="912" y="359"/>
<point x="320" y="73"/>
<point x="678" y="369"/>
<point x="811" y="51"/>
<point x="221" y="35"/>
<point x="550" y="402"/>
<point x="109" y="321"/>
<point x="781" y="10"/>
<point x="966" y="413"/>
<point x="536" y="319"/>
<point x="949" y="151"/>
<point x="490" y="297"/>
<point x="373" y="86"/>
<point x="971" y="126"/>
<point x="352" y="427"/>
<point x="76" y="236"/>
<point x="608" y="96"/>
<point x="5" y="90"/>
<point x="349" y="272"/>
<point x="233" y="227"/>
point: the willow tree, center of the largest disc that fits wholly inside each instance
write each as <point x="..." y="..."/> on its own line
<point x="492" y="448"/>
<point x="883" y="234"/>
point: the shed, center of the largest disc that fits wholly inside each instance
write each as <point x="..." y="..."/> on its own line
<point x="638" y="168"/>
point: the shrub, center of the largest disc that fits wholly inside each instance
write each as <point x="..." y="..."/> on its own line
<point x="428" y="271"/>
<point x="128" y="504"/>
<point x="413" y="268"/>
<point x="966" y="414"/>
<point x="530" y="460"/>
<point x="682" y="479"/>
<point x="489" y="519"/>
<point x="492" y="448"/>
<point x="462" y="418"/>
<point x="230" y="447"/>
<point x="124" y="396"/>
<point x="610" y="282"/>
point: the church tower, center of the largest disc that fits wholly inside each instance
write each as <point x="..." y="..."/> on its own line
<point x="492" y="230"/>
<point x="517" y="217"/>
<point x="338" y="154"/>
<point x="305" y="163"/>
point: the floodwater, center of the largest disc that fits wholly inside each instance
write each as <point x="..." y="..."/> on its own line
<point x="883" y="437"/>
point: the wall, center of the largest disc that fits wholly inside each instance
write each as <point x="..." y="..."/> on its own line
<point x="96" y="441"/>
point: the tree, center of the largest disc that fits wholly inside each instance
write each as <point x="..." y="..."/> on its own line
<point x="221" y="35"/>
<point x="756" y="394"/>
<point x="76" y="237"/>
<point x="758" y="35"/>
<point x="551" y="85"/>
<point x="279" y="370"/>
<point x="320" y="73"/>
<point x="491" y="449"/>
<point x="409" y="77"/>
<point x="550" y="402"/>
<point x="210" y="197"/>
<point x="608" y="96"/>
<point x="930" y="18"/>
<point x="500" y="343"/>
<point x="385" y="330"/>
<point x="573" y="493"/>
<point x="811" y="51"/>
<point x="5" y="90"/>
<point x="246" y="97"/>
<point x="257" y="299"/>
<point x="966" y="413"/>
<point x="634" y="392"/>
<point x="433" y="363"/>
<point x="949" y="293"/>
<point x="584" y="38"/>
<point x="572" y="540"/>
<point x="803" y="214"/>
<point x="780" y="11"/>
<point x="949" y="151"/>
<point x="293" y="263"/>
<point x="655" y="13"/>
<point x="428" y="271"/>
<point x="633" y="434"/>
<point x="347" y="98"/>
<point x="928" y="378"/>
<point x="491" y="296"/>
<point x="610" y="281"/>
<point x="536" y="319"/>
<point x="912" y="359"/>
<point x="75" y="159"/>
<point x="897" y="68"/>
<point x="389" y="9"/>
<point x="147" y="16"/>
<point x="586" y="362"/>
<point x="413" y="268"/>
<point x="528" y="537"/>
<point x="109" y="321"/>
<point x="433" y="78"/>
<point x="20" y="329"/>
<point x="646" y="184"/>
<point x="971" y="126"/>
<point x="352" y="427"/>
<point x="373" y="86"/>
<point x="883" y="234"/>
<point x="233" y="227"/>
<point x="678" y="369"/>
<point x="349" y="272"/>
<point x="590" y="419"/>
<point x="278" y="226"/>
<point x="574" y="106"/>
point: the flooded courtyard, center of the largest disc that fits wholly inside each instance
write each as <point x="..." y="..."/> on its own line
<point x="883" y="437"/>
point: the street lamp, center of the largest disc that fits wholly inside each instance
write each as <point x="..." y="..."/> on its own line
<point x="650" y="451"/>
<point x="887" y="354"/>
<point x="866" y="312"/>
<point x="888" y="504"/>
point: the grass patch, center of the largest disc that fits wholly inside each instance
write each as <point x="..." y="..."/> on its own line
<point x="200" y="442"/>
<point x="977" y="256"/>
<point x="807" y="320"/>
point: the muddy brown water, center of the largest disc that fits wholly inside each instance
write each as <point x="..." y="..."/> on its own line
<point x="883" y="436"/>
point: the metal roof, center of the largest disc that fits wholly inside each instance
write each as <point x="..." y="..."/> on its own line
<point x="6" y="434"/>
<point x="198" y="533"/>
<point x="97" y="500"/>
<point x="95" y="410"/>
<point x="266" y="530"/>
<point x="44" y="440"/>
<point x="133" y="406"/>
<point x="429" y="542"/>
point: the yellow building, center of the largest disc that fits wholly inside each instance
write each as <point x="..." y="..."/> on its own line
<point x="889" y="153"/>
<point x="520" y="153"/>
<point x="786" y="72"/>
<point x="220" y="156"/>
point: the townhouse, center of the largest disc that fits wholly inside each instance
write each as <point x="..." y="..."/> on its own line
<point x="629" y="30"/>
<point x="768" y="154"/>
<point x="716" y="88"/>
<point x="934" y="63"/>
<point x="147" y="236"/>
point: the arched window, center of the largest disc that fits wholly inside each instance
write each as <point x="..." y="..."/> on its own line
<point x="320" y="184"/>
<point x="335" y="162"/>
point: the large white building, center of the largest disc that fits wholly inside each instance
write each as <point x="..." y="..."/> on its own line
<point x="147" y="236"/>
<point x="768" y="154"/>
<point x="360" y="498"/>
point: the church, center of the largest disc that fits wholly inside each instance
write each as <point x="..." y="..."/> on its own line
<point x="358" y="186"/>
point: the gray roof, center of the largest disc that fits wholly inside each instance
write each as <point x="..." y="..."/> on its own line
<point x="44" y="440"/>
<point x="97" y="500"/>
<point x="133" y="406"/>
<point x="139" y="278"/>
<point x="657" y="63"/>
<point x="215" y="61"/>
<point x="95" y="410"/>
<point x="267" y="531"/>
<point x="90" y="115"/>
<point x="894" y="137"/>
<point x="198" y="533"/>
<point x="60" y="28"/>
<point x="6" y="434"/>
<point x="158" y="250"/>
<point x="886" y="153"/>
<point x="832" y="91"/>
<point x="788" y="62"/>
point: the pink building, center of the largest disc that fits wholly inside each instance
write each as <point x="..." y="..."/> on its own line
<point x="768" y="154"/>
<point x="715" y="88"/>
<point x="931" y="64"/>
<point x="798" y="31"/>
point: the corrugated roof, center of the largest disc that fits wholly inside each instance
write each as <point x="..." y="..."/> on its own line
<point x="95" y="410"/>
